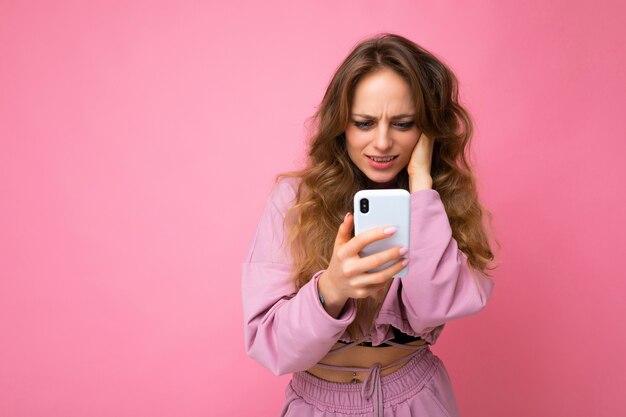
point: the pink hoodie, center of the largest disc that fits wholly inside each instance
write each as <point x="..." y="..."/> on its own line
<point x="288" y="331"/>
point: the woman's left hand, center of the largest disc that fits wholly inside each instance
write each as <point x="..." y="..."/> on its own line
<point x="420" y="164"/>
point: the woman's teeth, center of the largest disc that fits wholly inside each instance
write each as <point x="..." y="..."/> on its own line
<point x="382" y="159"/>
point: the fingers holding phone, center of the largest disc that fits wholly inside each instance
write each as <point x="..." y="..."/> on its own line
<point x="347" y="274"/>
<point x="361" y="265"/>
<point x="380" y="208"/>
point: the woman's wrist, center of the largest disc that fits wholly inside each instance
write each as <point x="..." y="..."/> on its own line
<point x="332" y="303"/>
<point x="420" y="183"/>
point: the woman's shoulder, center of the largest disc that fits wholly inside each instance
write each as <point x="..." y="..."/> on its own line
<point x="288" y="183"/>
<point x="284" y="190"/>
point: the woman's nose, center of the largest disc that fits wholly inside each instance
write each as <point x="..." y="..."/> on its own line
<point x="382" y="140"/>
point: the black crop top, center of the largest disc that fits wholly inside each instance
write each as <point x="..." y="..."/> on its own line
<point x="399" y="337"/>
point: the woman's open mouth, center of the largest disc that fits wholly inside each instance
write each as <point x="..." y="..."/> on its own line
<point x="381" y="162"/>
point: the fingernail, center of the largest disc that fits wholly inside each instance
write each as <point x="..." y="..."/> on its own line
<point x="346" y="217"/>
<point x="403" y="251"/>
<point x="405" y="262"/>
<point x="390" y="230"/>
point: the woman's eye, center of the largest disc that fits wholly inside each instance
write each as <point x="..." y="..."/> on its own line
<point x="400" y="125"/>
<point x="405" y="125"/>
<point x="361" y="125"/>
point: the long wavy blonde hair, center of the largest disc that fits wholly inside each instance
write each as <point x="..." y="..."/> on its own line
<point x="330" y="179"/>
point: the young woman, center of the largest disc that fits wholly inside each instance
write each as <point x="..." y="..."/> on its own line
<point x="358" y="343"/>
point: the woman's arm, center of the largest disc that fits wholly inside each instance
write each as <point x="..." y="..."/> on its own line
<point x="285" y="331"/>
<point x="439" y="285"/>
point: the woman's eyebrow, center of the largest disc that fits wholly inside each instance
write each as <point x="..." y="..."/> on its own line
<point x="399" y="116"/>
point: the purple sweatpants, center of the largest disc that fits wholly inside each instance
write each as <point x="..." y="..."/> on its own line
<point x="420" y="388"/>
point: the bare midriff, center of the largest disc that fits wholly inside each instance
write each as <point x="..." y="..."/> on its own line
<point x="362" y="357"/>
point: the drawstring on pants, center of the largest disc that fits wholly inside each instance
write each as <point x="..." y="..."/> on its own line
<point x="372" y="389"/>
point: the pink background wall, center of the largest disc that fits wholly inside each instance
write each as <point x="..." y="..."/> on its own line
<point x="138" y="141"/>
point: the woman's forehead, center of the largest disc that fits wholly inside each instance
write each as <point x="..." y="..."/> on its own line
<point x="382" y="92"/>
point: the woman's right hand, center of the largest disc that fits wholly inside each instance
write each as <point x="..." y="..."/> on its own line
<point x="347" y="276"/>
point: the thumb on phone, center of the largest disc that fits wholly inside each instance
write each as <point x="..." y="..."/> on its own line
<point x="344" y="234"/>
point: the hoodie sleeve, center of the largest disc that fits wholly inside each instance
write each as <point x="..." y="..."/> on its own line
<point x="439" y="285"/>
<point x="285" y="331"/>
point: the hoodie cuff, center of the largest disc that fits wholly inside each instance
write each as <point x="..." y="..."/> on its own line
<point x="348" y="313"/>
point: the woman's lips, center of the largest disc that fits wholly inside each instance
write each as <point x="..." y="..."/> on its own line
<point x="381" y="165"/>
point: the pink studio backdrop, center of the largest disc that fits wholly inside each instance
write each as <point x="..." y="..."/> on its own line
<point x="139" y="139"/>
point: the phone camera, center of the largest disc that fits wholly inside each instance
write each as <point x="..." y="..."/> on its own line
<point x="364" y="205"/>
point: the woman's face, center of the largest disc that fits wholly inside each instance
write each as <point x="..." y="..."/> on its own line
<point x="382" y="125"/>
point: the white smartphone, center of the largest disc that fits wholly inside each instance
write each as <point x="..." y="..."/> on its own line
<point x="383" y="207"/>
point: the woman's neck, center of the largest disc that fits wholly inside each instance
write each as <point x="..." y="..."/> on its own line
<point x="377" y="185"/>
